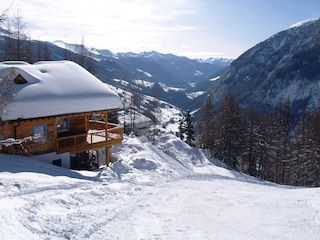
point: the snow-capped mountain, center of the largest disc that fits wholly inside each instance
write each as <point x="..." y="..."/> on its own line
<point x="169" y="69"/>
<point x="284" y="67"/>
<point x="217" y="61"/>
<point x="171" y="78"/>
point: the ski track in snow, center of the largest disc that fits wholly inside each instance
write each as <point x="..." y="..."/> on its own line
<point x="162" y="197"/>
<point x="187" y="208"/>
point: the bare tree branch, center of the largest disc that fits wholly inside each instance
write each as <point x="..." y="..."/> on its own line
<point x="4" y="15"/>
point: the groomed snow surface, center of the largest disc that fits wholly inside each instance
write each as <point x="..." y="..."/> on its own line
<point x="166" y="192"/>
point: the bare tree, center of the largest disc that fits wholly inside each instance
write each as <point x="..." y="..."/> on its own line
<point x="42" y="51"/>
<point x="6" y="91"/>
<point x="3" y="15"/>
<point x="18" y="36"/>
<point x="135" y="103"/>
<point x="156" y="117"/>
<point x="85" y="56"/>
<point x="6" y="83"/>
<point x="16" y="43"/>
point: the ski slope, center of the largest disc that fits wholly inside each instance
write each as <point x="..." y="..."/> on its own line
<point x="166" y="192"/>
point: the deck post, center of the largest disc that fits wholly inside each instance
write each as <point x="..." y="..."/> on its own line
<point x="86" y="122"/>
<point x="107" y="156"/>
<point x="97" y="157"/>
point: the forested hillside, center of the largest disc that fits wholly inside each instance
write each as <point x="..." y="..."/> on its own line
<point x="262" y="115"/>
<point x="269" y="147"/>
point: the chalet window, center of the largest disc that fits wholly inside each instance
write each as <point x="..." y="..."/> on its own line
<point x="40" y="133"/>
<point x="19" y="80"/>
<point x="63" y="125"/>
<point x="57" y="162"/>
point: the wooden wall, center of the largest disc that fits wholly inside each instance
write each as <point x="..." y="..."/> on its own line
<point x="77" y="124"/>
<point x="24" y="129"/>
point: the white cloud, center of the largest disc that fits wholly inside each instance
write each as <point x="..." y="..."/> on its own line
<point x="122" y="25"/>
<point x="229" y="27"/>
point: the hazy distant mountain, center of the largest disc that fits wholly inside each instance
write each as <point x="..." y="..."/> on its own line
<point x="169" y="69"/>
<point x="175" y="79"/>
<point x="166" y="76"/>
<point x="284" y="67"/>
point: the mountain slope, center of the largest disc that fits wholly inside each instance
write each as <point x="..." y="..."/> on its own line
<point x="169" y="69"/>
<point x="285" y="66"/>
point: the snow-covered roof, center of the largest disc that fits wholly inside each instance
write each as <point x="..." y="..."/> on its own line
<point x="55" y="88"/>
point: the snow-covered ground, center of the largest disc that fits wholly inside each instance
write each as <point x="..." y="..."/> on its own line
<point x="166" y="192"/>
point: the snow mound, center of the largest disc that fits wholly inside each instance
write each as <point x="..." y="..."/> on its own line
<point x="144" y="164"/>
<point x="120" y="168"/>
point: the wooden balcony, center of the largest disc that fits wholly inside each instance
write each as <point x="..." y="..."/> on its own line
<point x="97" y="137"/>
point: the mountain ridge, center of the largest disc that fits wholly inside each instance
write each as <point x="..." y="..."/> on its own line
<point x="283" y="67"/>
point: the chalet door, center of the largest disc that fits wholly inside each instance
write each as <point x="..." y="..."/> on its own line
<point x="79" y="161"/>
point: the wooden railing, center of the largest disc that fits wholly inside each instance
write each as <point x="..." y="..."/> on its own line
<point x="94" y="139"/>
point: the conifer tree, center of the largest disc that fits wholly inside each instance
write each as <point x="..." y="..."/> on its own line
<point x="251" y="154"/>
<point x="205" y="125"/>
<point x="301" y="148"/>
<point x="269" y="147"/>
<point x="311" y="170"/>
<point x="228" y="137"/>
<point x="284" y="129"/>
<point x="189" y="130"/>
<point x="186" y="129"/>
<point x="181" y="129"/>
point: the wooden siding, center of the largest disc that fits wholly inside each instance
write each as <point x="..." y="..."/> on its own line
<point x="82" y="135"/>
<point x="77" y="124"/>
<point x="24" y="129"/>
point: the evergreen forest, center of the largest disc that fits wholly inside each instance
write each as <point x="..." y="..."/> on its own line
<point x="276" y="146"/>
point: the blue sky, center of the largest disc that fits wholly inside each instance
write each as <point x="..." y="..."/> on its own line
<point x="192" y="28"/>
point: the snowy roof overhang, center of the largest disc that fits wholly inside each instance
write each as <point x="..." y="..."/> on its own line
<point x="54" y="88"/>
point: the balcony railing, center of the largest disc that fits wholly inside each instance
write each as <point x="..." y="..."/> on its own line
<point x="93" y="139"/>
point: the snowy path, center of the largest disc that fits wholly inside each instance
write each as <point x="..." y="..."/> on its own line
<point x="222" y="209"/>
<point x="159" y="197"/>
<point x="182" y="209"/>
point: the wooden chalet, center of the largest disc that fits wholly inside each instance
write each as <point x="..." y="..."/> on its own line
<point x="58" y="113"/>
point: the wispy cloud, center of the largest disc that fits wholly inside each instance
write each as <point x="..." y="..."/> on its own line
<point x="107" y="23"/>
